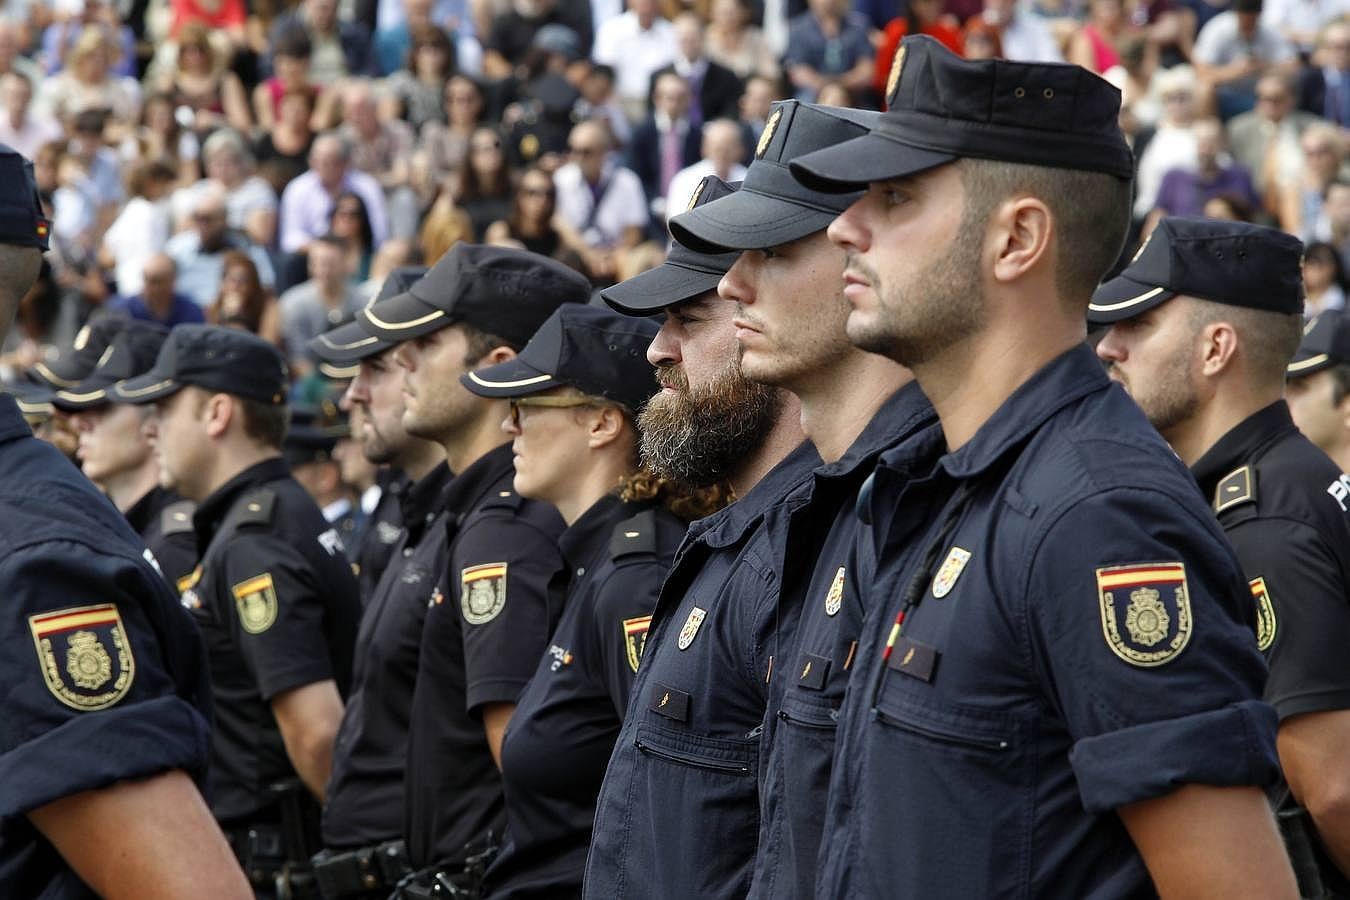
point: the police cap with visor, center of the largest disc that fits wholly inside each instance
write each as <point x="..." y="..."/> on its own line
<point x="1326" y="343"/>
<point x="341" y="349"/>
<point x="213" y="357"/>
<point x="132" y="352"/>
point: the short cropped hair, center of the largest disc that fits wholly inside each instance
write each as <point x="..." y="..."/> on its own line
<point x="1269" y="339"/>
<point x="264" y="422"/>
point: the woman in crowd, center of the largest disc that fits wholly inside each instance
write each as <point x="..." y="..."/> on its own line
<point x="351" y="222"/>
<point x="160" y="135"/>
<point x="88" y="82"/>
<point x="1324" y="279"/>
<point x="444" y="144"/>
<point x="201" y="83"/>
<point x="283" y="150"/>
<point x="290" y="68"/>
<point x="485" y="184"/>
<point x="445" y="224"/>
<point x="1096" y="46"/>
<point x="530" y="225"/>
<point x="142" y="228"/>
<point x="924" y="17"/>
<point x="574" y="394"/>
<point x="243" y="302"/>
<point x="416" y="91"/>
<point x="731" y="40"/>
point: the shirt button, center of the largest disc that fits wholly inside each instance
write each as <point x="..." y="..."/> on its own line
<point x="407" y="551"/>
<point x="581" y="570"/>
<point x="429" y="517"/>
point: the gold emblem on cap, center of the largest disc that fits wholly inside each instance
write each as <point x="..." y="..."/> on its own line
<point x="698" y="192"/>
<point x="769" y="128"/>
<point x="893" y="80"/>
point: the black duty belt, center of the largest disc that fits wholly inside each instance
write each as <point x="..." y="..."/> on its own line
<point x="369" y="871"/>
<point x="261" y="851"/>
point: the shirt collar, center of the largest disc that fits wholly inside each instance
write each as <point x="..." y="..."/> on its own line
<point x="1241" y="443"/>
<point x="904" y="412"/>
<point x="467" y="489"/>
<point x="212" y="511"/>
<point x="730" y="524"/>
<point x="419" y="500"/>
<point x="587" y="536"/>
<point x="142" y="510"/>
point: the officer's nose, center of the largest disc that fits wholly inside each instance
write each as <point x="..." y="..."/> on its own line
<point x="1111" y="349"/>
<point x="356" y="393"/>
<point x="736" y="284"/>
<point x="664" y="349"/>
<point x="848" y="229"/>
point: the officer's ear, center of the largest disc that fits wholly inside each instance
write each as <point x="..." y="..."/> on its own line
<point x="218" y="412"/>
<point x="605" y="427"/>
<point x="1219" y="346"/>
<point x="1021" y="229"/>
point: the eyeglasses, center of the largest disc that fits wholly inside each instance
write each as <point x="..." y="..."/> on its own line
<point x="536" y="192"/>
<point x="553" y="403"/>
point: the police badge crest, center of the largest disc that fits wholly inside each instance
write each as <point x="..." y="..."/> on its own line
<point x="1266" y="625"/>
<point x="690" y="629"/>
<point x="635" y="639"/>
<point x="256" y="601"/>
<point x="85" y="655"/>
<point x="834" y="598"/>
<point x="482" y="592"/>
<point x="1146" y="611"/>
<point x="949" y="571"/>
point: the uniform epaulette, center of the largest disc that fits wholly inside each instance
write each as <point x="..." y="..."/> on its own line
<point x="256" y="507"/>
<point x="1238" y="486"/>
<point x="635" y="535"/>
<point x="177" y="517"/>
<point x="504" y="499"/>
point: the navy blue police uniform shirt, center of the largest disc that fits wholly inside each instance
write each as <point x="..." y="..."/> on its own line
<point x="486" y="627"/>
<point x="277" y="603"/>
<point x="678" y="813"/>
<point x="105" y="675"/>
<point x="384" y="531"/>
<point x="566" y="722"/>
<point x="1082" y="642"/>
<point x="365" y="791"/>
<point x="819" y="571"/>
<point x="164" y="521"/>
<point x="1285" y="507"/>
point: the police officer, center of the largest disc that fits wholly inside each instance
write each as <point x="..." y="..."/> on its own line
<point x="273" y="593"/>
<point x="365" y="855"/>
<point x="678" y="811"/>
<point x="378" y="424"/>
<point x="791" y="310"/>
<point x="488" y="617"/>
<point x="573" y="393"/>
<point x="1204" y="356"/>
<point x="312" y="435"/>
<point x="106" y="695"/>
<point x="65" y="367"/>
<point x="1056" y="691"/>
<point x="1318" y="384"/>
<point x="115" y="453"/>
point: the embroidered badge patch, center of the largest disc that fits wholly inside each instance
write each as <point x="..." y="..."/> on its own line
<point x="1146" y="611"/>
<point x="690" y="629"/>
<point x="85" y="655"/>
<point x="256" y="600"/>
<point x="1266" y="625"/>
<point x="482" y="593"/>
<point x="635" y="639"/>
<point x="767" y="135"/>
<point x="834" y="598"/>
<point x="949" y="571"/>
<point x="893" y="80"/>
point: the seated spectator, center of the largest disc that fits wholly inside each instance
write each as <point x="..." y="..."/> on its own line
<point x="828" y="43"/>
<point x="1185" y="191"/>
<point x="923" y="17"/>
<point x="1298" y="204"/>
<point x="635" y="44"/>
<point x="157" y="301"/>
<point x="1271" y="129"/>
<point x="382" y="149"/>
<point x="283" y="150"/>
<point x="664" y="144"/>
<point x="1324" y="86"/>
<point x="141" y="229"/>
<point x="722" y="150"/>
<point x="1139" y="103"/>
<point x="735" y="43"/>
<point x="225" y="20"/>
<point x="512" y="32"/>
<point x="415" y="92"/>
<point x="101" y="164"/>
<point x="199" y="253"/>
<point x="350" y="224"/>
<point x="1300" y="21"/>
<point x="88" y="82"/>
<point x="201" y="81"/>
<point x="444" y="226"/>
<point x="243" y="302"/>
<point x="20" y="127"/>
<point x="60" y="39"/>
<point x="251" y="204"/>
<point x="542" y="119"/>
<point x="1022" y="36"/>
<point x="12" y="38"/>
<point x="1324" y="279"/>
<point x="601" y="207"/>
<point x="324" y="301"/>
<point x="291" y="54"/>
<point x="1229" y="209"/>
<point x="713" y="88"/>
<point x="307" y="203"/>
<point x="1096" y="45"/>
<point x="981" y="39"/>
<point x="530" y="226"/>
<point x="600" y="102"/>
<point x="485" y="184"/>
<point x="443" y="147"/>
<point x="1337" y="211"/>
<point x="338" y="48"/>
<point x="395" y="20"/>
<point x="1172" y="145"/>
<point x="1233" y="50"/>
<point x="159" y="135"/>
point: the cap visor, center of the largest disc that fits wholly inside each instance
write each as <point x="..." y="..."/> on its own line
<point x="347" y="344"/>
<point x="1124" y="298"/>
<point x="666" y="285"/>
<point x="338" y="373"/>
<point x="513" y="378"/>
<point x="747" y="220"/>
<point x="145" y="388"/>
<point x="54" y="376"/>
<point x="85" y="395"/>
<point x="854" y="164"/>
<point x="1307" y="362"/>
<point x="400" y="318"/>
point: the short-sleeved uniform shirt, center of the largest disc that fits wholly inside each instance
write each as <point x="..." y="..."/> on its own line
<point x="818" y="590"/>
<point x="365" y="791"/>
<point x="486" y="627"/>
<point x="1285" y="507"/>
<point x="1082" y="640"/>
<point x="164" y="521"/>
<point x="678" y="814"/>
<point x="384" y="531"/>
<point x="104" y="673"/>
<point x="565" y="724"/>
<point x="277" y="603"/>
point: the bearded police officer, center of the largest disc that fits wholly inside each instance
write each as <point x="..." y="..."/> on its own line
<point x="1203" y="323"/>
<point x="1319" y="385"/>
<point x="1057" y="690"/>
<point x="273" y="593"/>
<point x="488" y="614"/>
<point x="106" y="693"/>
<point x="115" y="453"/>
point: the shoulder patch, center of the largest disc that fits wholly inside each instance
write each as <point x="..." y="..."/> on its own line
<point x="256" y="600"/>
<point x="1146" y="611"/>
<point x="635" y="639"/>
<point x="256" y="508"/>
<point x="635" y="535"/>
<point x="482" y="594"/>
<point x="503" y="499"/>
<point x="85" y="655"/>
<point x="177" y="517"/>
<point x="1266" y="624"/>
<point x="1235" y="488"/>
